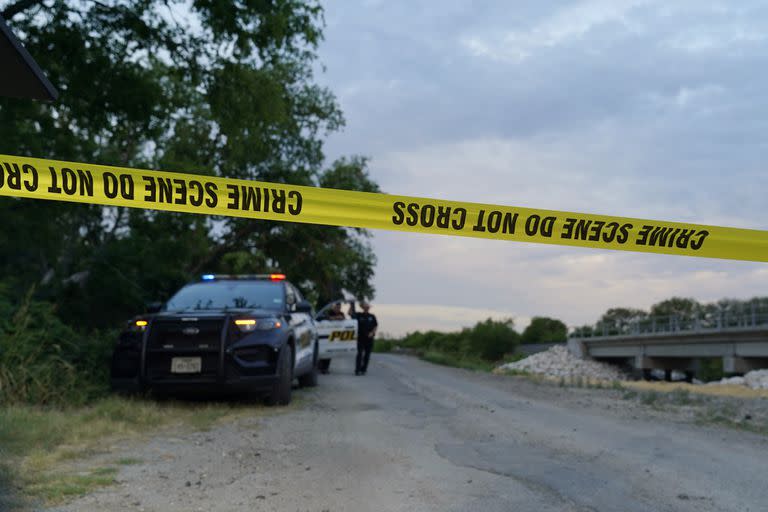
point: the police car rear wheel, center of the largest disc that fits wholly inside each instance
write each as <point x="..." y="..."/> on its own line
<point x="281" y="389"/>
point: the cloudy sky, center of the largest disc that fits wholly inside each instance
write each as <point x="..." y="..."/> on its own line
<point x="650" y="109"/>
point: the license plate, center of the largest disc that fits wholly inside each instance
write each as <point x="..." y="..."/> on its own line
<point x="186" y="365"/>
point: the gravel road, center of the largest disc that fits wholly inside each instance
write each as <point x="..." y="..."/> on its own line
<point x="414" y="436"/>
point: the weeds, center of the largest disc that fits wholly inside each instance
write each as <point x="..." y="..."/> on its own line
<point x="44" y="361"/>
<point x="680" y="397"/>
<point x="383" y="346"/>
<point x="649" y="397"/>
<point x="128" y="461"/>
<point x="728" y="415"/>
<point x="457" y="361"/>
<point x="57" y="487"/>
<point x="37" y="441"/>
<point x="488" y="341"/>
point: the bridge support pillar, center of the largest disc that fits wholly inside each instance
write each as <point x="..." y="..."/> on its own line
<point x="734" y="364"/>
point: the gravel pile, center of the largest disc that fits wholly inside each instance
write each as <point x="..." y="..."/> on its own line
<point x="559" y="362"/>
<point x="756" y="379"/>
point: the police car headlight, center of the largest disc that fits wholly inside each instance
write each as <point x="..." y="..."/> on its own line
<point x="260" y="324"/>
<point x="139" y="325"/>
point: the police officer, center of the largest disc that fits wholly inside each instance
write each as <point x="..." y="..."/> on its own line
<point x="336" y="313"/>
<point x="366" y="331"/>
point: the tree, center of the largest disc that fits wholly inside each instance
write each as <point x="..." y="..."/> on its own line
<point x="583" y="331"/>
<point x="545" y="330"/>
<point x="492" y="339"/>
<point x="208" y="86"/>
<point x="678" y="307"/>
<point x="619" y="320"/>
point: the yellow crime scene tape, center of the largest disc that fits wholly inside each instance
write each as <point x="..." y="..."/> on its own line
<point x="38" y="178"/>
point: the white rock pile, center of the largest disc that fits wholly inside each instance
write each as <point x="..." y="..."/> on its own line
<point x="559" y="362"/>
<point x="756" y="379"/>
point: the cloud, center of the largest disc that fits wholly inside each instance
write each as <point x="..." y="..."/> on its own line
<point x="526" y="280"/>
<point x="646" y="109"/>
<point x="708" y="39"/>
<point x="559" y="28"/>
<point x="607" y="168"/>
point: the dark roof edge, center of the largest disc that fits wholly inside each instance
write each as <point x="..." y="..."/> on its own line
<point x="5" y="30"/>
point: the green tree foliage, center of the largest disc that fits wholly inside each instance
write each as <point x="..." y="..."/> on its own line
<point x="489" y="340"/>
<point x="679" y="313"/>
<point x="583" y="331"/>
<point x="208" y="86"/>
<point x="619" y="320"/>
<point x="544" y="330"/>
<point x="677" y="306"/>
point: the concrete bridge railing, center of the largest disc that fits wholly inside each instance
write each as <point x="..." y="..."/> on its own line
<point x="669" y="343"/>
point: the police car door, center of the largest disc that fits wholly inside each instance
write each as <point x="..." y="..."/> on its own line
<point x="336" y="336"/>
<point x="302" y="327"/>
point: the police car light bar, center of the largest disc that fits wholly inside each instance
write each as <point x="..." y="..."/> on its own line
<point x="271" y="277"/>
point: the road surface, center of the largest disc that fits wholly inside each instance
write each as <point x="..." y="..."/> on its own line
<point x="411" y="436"/>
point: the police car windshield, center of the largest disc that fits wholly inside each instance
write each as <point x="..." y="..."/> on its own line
<point x="228" y="295"/>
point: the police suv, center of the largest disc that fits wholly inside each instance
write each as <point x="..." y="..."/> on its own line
<point x="252" y="333"/>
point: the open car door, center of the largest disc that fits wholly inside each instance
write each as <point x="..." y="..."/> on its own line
<point x="336" y="337"/>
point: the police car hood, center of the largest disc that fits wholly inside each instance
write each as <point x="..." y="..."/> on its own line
<point x="218" y="313"/>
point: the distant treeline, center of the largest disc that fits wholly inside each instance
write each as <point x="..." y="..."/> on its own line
<point x="493" y="341"/>
<point x="677" y="312"/>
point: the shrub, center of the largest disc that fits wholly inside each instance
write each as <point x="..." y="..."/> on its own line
<point x="44" y="361"/>
<point x="383" y="346"/>
<point x="490" y="339"/>
<point x="545" y="330"/>
<point x="711" y="369"/>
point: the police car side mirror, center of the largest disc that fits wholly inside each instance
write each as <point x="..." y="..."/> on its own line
<point x="154" y="307"/>
<point x="304" y="307"/>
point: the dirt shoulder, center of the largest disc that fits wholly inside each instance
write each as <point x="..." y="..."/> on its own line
<point x="414" y="436"/>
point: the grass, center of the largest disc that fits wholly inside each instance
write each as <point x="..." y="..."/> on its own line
<point x="383" y="346"/>
<point x="649" y="397"/>
<point x="517" y="373"/>
<point x="445" y="359"/>
<point x="706" y="408"/>
<point x="629" y="395"/>
<point x="58" y="487"/>
<point x="733" y="391"/>
<point x="471" y="363"/>
<point x="726" y="415"/>
<point x="39" y="444"/>
<point x="128" y="461"/>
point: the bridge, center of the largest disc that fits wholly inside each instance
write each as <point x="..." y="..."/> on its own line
<point x="680" y="343"/>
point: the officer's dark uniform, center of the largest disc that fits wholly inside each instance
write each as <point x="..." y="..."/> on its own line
<point x="366" y="323"/>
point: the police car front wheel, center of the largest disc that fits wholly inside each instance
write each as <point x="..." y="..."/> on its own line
<point x="281" y="389"/>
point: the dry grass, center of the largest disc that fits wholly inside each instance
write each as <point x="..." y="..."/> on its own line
<point x="39" y="445"/>
<point x="727" y="390"/>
